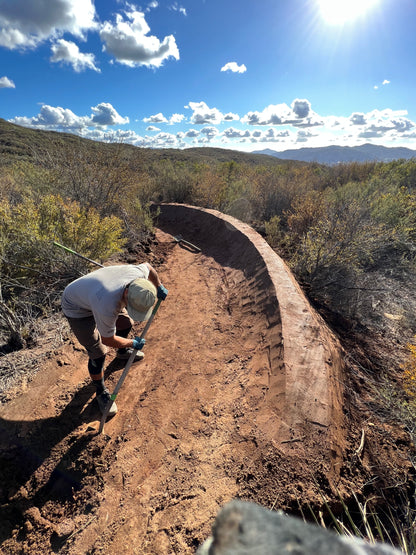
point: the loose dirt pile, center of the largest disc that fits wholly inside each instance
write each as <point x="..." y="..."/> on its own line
<point x="242" y="393"/>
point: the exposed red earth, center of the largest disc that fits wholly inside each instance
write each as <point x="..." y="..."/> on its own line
<point x="243" y="392"/>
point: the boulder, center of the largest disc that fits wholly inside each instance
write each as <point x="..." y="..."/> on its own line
<point x="244" y="528"/>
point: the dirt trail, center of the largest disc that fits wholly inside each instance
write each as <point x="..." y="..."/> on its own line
<point x="220" y="407"/>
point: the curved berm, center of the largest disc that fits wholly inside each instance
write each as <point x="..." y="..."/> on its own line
<point x="295" y="372"/>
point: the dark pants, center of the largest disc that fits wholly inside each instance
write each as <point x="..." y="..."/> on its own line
<point x="87" y="334"/>
<point x="89" y="337"/>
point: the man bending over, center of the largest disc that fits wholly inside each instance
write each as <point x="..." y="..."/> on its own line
<point x="101" y="308"/>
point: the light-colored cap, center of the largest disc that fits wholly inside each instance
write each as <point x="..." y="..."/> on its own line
<point x="140" y="299"/>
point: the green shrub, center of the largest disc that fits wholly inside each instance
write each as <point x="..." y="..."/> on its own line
<point x="28" y="224"/>
<point x="33" y="272"/>
<point x="274" y="233"/>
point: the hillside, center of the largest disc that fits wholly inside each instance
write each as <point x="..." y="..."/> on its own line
<point x="22" y="143"/>
<point x="343" y="154"/>
<point x="17" y="142"/>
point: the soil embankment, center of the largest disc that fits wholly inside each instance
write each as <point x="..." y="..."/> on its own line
<point x="296" y="365"/>
<point x="238" y="395"/>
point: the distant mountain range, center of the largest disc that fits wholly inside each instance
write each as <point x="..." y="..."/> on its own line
<point x="336" y="154"/>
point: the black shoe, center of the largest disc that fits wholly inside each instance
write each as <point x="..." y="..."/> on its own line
<point x="103" y="400"/>
<point x="124" y="354"/>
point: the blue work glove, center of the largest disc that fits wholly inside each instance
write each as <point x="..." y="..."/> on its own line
<point x="162" y="292"/>
<point x="138" y="343"/>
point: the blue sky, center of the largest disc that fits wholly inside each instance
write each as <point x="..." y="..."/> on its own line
<point x="239" y="74"/>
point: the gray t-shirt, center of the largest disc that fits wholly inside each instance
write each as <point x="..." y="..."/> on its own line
<point x="99" y="294"/>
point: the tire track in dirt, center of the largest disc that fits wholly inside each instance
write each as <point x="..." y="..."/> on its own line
<point x="191" y="383"/>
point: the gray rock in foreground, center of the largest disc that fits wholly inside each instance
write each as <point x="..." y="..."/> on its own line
<point x="243" y="528"/>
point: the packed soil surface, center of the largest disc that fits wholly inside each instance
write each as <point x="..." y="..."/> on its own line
<point x="243" y="392"/>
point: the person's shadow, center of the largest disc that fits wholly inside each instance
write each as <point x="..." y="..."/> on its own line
<point x="44" y="460"/>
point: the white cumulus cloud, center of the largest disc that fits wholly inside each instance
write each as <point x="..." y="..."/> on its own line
<point x="303" y="136"/>
<point x="68" y="52"/>
<point x="53" y="117"/>
<point x="63" y="119"/>
<point x="384" y="127"/>
<point x="176" y="118"/>
<point x="231" y="117"/>
<point x="209" y="132"/>
<point x="156" y="118"/>
<point x="299" y="114"/>
<point x="128" y="40"/>
<point x="358" y="118"/>
<point x="6" y="83"/>
<point x="301" y="107"/>
<point x="162" y="140"/>
<point x="385" y="82"/>
<point x="234" y="67"/>
<point x="192" y="133"/>
<point x="160" y="118"/>
<point x="232" y="133"/>
<point x="25" y="24"/>
<point x="112" y="135"/>
<point x="105" y="114"/>
<point x="274" y="114"/>
<point x="269" y="136"/>
<point x="202" y="114"/>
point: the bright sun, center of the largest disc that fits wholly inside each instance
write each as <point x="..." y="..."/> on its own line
<point x="337" y="12"/>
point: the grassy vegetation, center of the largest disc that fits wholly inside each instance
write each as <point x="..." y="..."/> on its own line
<point x="360" y="520"/>
<point x="348" y="232"/>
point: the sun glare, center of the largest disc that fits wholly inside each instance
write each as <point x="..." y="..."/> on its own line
<point x="337" y="12"/>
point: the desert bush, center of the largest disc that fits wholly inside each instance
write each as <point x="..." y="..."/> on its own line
<point x="332" y="238"/>
<point x="400" y="173"/>
<point x="9" y="191"/>
<point x="306" y="211"/>
<point x="234" y="198"/>
<point x="352" y="248"/>
<point x="32" y="273"/>
<point x="101" y="179"/>
<point x="274" y="232"/>
<point x="173" y="181"/>
<point x="138" y="221"/>
<point x="96" y="179"/>
<point x="208" y="188"/>
<point x="272" y="192"/>
<point x="371" y="520"/>
<point x="275" y="189"/>
<point x="54" y="219"/>
<point x="351" y="172"/>
<point x="396" y="210"/>
<point x="30" y="180"/>
<point x="329" y="231"/>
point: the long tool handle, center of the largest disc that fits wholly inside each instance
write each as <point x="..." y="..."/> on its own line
<point x="126" y="370"/>
<point x="77" y="254"/>
<point x="180" y="239"/>
<point x="190" y="245"/>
